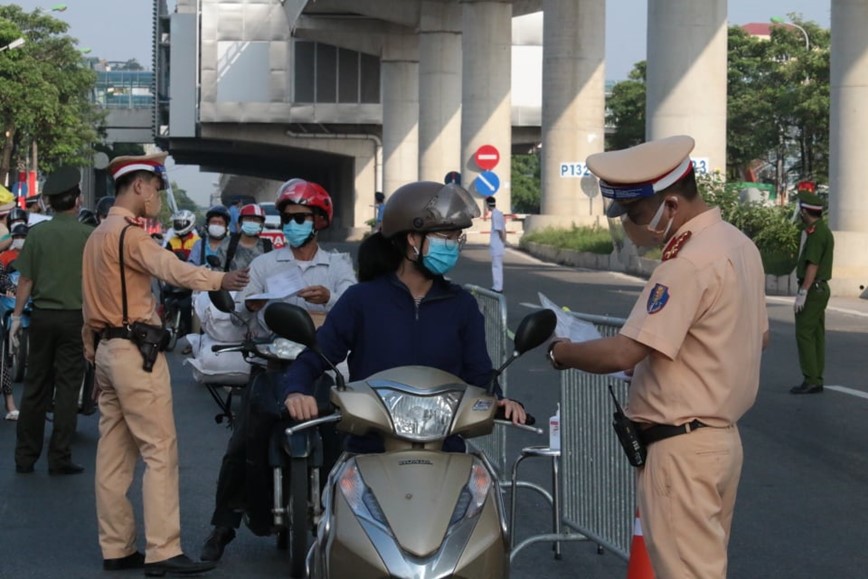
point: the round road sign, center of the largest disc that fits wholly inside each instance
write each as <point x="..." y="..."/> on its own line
<point x="487" y="157"/>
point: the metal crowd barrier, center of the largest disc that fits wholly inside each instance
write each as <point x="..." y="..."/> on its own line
<point x="597" y="482"/>
<point x="493" y="308"/>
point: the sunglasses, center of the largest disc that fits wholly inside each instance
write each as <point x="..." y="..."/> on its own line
<point x="299" y="218"/>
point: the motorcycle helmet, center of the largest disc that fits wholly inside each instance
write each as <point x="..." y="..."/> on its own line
<point x="16" y="215"/>
<point x="87" y="217"/>
<point x="218" y="211"/>
<point x="183" y="222"/>
<point x="103" y="206"/>
<point x="19" y="231"/>
<point x="252" y="210"/>
<point x="428" y="206"/>
<point x="309" y="194"/>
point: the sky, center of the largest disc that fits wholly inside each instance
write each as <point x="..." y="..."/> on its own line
<point x="121" y="30"/>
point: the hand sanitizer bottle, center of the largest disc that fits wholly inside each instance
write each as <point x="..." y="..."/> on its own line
<point x="555" y="430"/>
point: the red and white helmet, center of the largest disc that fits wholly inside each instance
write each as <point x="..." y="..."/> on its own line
<point x="252" y="210"/>
<point x="309" y="194"/>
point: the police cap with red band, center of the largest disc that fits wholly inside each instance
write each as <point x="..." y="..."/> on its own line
<point x="628" y="175"/>
<point x="155" y="163"/>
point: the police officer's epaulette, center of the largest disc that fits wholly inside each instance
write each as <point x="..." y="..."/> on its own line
<point x="137" y="221"/>
<point x="674" y="246"/>
<point x="811" y="229"/>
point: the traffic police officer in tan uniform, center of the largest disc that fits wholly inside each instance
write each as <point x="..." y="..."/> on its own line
<point x="50" y="267"/>
<point x="135" y="400"/>
<point x="813" y="271"/>
<point x="694" y="341"/>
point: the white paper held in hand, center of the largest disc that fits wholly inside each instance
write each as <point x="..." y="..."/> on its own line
<point x="281" y="285"/>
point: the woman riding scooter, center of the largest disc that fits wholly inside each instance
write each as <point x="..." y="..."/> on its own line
<point x="409" y="315"/>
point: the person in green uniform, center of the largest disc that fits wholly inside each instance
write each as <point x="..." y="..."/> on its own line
<point x="813" y="272"/>
<point x="50" y="268"/>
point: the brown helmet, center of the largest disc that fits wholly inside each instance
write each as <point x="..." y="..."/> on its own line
<point x="428" y="206"/>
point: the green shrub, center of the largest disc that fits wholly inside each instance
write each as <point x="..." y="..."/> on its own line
<point x="588" y="239"/>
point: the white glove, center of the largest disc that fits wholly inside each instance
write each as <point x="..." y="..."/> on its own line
<point x="799" y="305"/>
<point x="14" y="327"/>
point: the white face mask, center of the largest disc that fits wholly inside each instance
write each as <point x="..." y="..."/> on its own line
<point x="217" y="231"/>
<point x="17" y="243"/>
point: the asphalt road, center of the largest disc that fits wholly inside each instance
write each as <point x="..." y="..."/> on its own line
<point x="801" y="505"/>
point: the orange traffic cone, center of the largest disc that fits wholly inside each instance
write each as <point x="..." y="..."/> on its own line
<point x="640" y="564"/>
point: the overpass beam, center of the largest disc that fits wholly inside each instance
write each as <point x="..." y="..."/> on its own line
<point x="439" y="89"/>
<point x="486" y="89"/>
<point x="573" y="108"/>
<point x="848" y="205"/>
<point x="686" y="75"/>
<point x="399" y="66"/>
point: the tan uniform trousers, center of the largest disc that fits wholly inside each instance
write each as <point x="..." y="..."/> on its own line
<point x="136" y="420"/>
<point x="686" y="493"/>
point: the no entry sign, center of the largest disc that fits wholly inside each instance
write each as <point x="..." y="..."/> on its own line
<point x="487" y="157"/>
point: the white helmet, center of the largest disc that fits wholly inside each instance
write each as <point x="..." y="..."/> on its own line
<point x="183" y="222"/>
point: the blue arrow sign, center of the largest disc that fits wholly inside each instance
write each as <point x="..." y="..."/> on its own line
<point x="20" y="189"/>
<point x="487" y="183"/>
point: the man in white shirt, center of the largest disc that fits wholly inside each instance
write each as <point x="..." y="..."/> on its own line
<point x="497" y="244"/>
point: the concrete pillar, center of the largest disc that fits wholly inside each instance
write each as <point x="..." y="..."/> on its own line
<point x="573" y="110"/>
<point x="400" y="79"/>
<point x="486" y="111"/>
<point x="686" y="75"/>
<point x="439" y="89"/>
<point x="848" y="204"/>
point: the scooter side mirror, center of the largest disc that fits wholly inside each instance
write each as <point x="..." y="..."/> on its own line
<point x="534" y="330"/>
<point x="222" y="300"/>
<point x="291" y="322"/>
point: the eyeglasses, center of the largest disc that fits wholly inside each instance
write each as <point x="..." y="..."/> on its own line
<point x="297" y="217"/>
<point x="453" y="240"/>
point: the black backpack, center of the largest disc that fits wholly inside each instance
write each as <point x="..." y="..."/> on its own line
<point x="233" y="247"/>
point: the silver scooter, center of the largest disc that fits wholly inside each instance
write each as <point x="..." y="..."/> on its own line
<point x="413" y="511"/>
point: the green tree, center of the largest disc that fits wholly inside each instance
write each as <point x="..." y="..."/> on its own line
<point x="184" y="202"/>
<point x="44" y="93"/>
<point x="525" y="175"/>
<point x="625" y="110"/>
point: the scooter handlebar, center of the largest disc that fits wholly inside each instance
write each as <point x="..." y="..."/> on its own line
<point x="313" y="422"/>
<point x="527" y="427"/>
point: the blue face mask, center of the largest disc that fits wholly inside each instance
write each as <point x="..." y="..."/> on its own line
<point x="251" y="228"/>
<point x="440" y="258"/>
<point x="297" y="234"/>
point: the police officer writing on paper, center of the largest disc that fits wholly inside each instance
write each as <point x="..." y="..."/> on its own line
<point x="132" y="376"/>
<point x="50" y="274"/>
<point x="813" y="272"/>
<point x="694" y="340"/>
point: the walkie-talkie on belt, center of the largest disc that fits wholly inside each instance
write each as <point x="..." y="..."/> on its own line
<point x="627" y="434"/>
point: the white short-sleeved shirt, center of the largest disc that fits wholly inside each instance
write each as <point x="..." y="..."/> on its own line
<point x="703" y="313"/>
<point x="496" y="246"/>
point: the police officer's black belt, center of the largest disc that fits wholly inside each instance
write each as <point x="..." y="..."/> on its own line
<point x="660" y="432"/>
<point x="112" y="333"/>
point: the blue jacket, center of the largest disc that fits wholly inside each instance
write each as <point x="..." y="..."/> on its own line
<point x="379" y="324"/>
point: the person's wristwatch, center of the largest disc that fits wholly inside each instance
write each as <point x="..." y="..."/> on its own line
<point x="551" y="355"/>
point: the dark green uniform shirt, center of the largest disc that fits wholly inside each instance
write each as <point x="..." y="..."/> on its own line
<point x="51" y="258"/>
<point x="818" y="249"/>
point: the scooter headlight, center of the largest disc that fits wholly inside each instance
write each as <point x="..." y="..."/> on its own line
<point x="281" y="348"/>
<point x="420" y="418"/>
<point x="473" y="495"/>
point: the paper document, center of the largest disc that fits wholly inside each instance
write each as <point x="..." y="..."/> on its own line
<point x="281" y="285"/>
<point x="573" y="328"/>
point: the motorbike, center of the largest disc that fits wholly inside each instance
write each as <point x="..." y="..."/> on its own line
<point x="176" y="301"/>
<point x="15" y="361"/>
<point x="292" y="510"/>
<point x="414" y="510"/>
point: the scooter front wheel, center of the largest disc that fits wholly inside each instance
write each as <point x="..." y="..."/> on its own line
<point x="299" y="490"/>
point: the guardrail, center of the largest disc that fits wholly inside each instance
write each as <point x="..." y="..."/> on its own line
<point x="597" y="482"/>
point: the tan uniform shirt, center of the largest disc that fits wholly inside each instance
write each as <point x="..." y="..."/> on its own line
<point x="704" y="314"/>
<point x="143" y="259"/>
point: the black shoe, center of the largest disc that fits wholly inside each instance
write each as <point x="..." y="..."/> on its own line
<point x="69" y="468"/>
<point x="807" y="389"/>
<point x="216" y="542"/>
<point x="178" y="565"/>
<point x="21" y="469"/>
<point x="134" y="561"/>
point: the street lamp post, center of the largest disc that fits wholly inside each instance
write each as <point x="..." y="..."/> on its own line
<point x="779" y="20"/>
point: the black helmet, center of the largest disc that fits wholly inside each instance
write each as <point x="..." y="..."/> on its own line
<point x="218" y="211"/>
<point x="103" y="206"/>
<point x="88" y="217"/>
<point x="19" y="230"/>
<point x="428" y="206"/>
<point x="16" y="214"/>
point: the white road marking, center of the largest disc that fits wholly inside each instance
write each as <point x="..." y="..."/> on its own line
<point x="788" y="300"/>
<point x="850" y="391"/>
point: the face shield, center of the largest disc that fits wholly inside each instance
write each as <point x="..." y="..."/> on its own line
<point x="166" y="186"/>
<point x="452" y="207"/>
